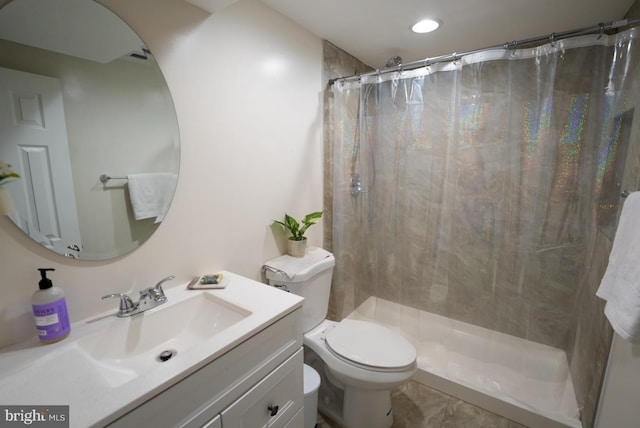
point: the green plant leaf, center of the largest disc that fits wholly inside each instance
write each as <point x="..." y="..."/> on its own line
<point x="312" y="218"/>
<point x="292" y="225"/>
<point x="309" y="220"/>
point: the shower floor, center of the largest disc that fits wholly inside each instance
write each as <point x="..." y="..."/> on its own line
<point x="524" y="381"/>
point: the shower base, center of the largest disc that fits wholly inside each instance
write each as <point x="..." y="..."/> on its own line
<point x="524" y="381"/>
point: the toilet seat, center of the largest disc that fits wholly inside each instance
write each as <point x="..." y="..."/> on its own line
<point x="370" y="346"/>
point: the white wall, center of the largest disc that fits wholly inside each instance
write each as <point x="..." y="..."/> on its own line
<point x="131" y="129"/>
<point x="246" y="83"/>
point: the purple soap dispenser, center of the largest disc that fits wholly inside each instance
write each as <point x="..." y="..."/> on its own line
<point x="50" y="310"/>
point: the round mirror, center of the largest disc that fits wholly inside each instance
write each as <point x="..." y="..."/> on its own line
<point x="88" y="124"/>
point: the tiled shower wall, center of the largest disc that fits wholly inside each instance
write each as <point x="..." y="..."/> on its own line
<point x="587" y="334"/>
<point x="337" y="63"/>
<point x="591" y="333"/>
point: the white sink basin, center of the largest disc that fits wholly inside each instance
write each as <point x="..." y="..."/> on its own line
<point x="132" y="345"/>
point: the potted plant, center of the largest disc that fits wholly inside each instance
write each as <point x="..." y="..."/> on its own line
<point x="297" y="241"/>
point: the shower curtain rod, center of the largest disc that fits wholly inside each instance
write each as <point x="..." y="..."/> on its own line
<point x="599" y="28"/>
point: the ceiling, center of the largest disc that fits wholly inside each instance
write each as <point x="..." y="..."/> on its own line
<point x="375" y="30"/>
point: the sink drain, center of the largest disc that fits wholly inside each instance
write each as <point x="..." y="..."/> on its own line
<point x="167" y="355"/>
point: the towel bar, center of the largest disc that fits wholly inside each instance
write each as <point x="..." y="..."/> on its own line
<point x="105" y="178"/>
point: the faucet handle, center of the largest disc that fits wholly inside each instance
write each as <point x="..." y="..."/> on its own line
<point x="126" y="304"/>
<point x="158" y="291"/>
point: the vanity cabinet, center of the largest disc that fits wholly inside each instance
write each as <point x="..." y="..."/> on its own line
<point x="257" y="383"/>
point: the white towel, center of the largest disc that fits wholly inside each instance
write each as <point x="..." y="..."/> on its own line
<point x="151" y="194"/>
<point x="290" y="266"/>
<point x="620" y="286"/>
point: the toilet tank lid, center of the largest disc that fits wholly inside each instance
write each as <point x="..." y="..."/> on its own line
<point x="297" y="269"/>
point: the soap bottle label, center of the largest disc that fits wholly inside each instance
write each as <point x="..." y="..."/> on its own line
<point x="52" y="320"/>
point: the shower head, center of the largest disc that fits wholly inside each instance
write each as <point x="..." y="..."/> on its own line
<point x="393" y="62"/>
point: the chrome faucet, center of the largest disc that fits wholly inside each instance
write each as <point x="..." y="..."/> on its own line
<point x="149" y="298"/>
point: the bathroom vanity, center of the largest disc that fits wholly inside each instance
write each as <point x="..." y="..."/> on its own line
<point x="257" y="383"/>
<point x="235" y="359"/>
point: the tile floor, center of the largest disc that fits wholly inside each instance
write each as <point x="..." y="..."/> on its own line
<point x="418" y="406"/>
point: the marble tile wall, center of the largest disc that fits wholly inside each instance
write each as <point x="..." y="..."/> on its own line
<point x="337" y="63"/>
<point x="591" y="333"/>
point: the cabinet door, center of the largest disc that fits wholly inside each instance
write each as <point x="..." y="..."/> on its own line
<point x="272" y="402"/>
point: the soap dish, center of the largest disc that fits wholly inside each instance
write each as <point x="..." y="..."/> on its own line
<point x="208" y="281"/>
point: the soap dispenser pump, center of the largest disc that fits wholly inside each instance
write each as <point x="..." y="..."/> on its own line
<point x="50" y="310"/>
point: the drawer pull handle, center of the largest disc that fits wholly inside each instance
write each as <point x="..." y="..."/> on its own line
<point x="273" y="410"/>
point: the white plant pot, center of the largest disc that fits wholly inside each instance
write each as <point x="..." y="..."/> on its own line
<point x="297" y="248"/>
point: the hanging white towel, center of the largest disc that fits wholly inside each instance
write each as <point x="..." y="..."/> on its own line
<point x="151" y="194"/>
<point x="290" y="266"/>
<point x="620" y="286"/>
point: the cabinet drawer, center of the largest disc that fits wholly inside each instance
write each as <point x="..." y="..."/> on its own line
<point x="257" y="408"/>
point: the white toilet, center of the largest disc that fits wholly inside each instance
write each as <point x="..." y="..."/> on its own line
<point x="360" y="360"/>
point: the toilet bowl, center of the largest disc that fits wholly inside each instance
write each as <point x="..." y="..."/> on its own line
<point x="366" y="367"/>
<point x="363" y="361"/>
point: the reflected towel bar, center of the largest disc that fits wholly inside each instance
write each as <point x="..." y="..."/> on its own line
<point x="105" y="178"/>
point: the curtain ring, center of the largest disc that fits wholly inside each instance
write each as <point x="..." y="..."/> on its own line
<point x="601" y="25"/>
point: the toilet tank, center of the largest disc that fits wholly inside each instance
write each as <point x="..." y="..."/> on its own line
<point x="309" y="277"/>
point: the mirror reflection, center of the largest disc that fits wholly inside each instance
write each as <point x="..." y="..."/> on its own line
<point x="81" y="96"/>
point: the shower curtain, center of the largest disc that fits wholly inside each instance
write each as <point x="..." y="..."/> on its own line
<point x="477" y="189"/>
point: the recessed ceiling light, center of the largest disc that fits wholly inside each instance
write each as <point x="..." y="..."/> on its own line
<point x="425" y="26"/>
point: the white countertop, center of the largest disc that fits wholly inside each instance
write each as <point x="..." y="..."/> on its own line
<point x="61" y="374"/>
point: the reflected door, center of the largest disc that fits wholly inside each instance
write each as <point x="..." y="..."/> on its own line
<point x="33" y="139"/>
